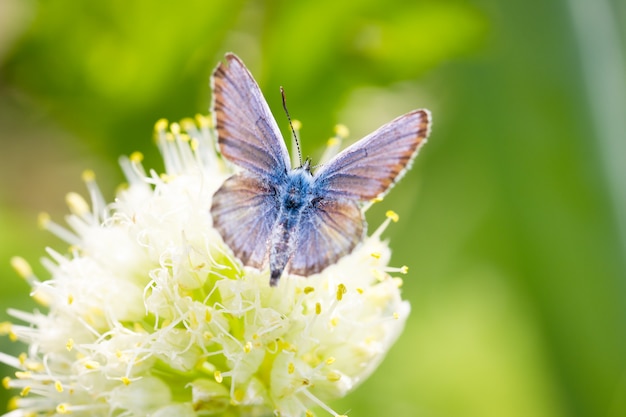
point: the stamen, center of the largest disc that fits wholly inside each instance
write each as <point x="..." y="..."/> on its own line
<point x="98" y="203"/>
<point x="341" y="290"/>
<point x="342" y="131"/>
<point x="77" y="204"/>
<point x="391" y="216"/>
<point x="218" y="377"/>
<point x="59" y="231"/>
<point x="23" y="269"/>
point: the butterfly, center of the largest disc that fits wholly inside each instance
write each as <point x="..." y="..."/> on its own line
<point x="297" y="220"/>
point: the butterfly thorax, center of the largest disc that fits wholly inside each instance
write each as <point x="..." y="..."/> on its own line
<point x="297" y="192"/>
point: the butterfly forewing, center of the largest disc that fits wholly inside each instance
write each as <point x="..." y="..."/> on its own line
<point x="372" y="165"/>
<point x="328" y="230"/>
<point x="247" y="132"/>
<point x="244" y="210"/>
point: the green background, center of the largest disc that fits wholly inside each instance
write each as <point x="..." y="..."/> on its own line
<point x="513" y="217"/>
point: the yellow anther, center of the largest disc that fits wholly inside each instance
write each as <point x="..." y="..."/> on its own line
<point x="360" y="290"/>
<point x="22" y="358"/>
<point x="41" y="298"/>
<point x="63" y="408"/>
<point x="194" y="145"/>
<point x="92" y="365"/>
<point x="70" y="299"/>
<point x="34" y="366"/>
<point x="125" y="380"/>
<point x="378" y="274"/>
<point x="291" y="368"/>
<point x="309" y="413"/>
<point x="393" y="216"/>
<point x="185" y="137"/>
<point x="69" y="345"/>
<point x="76" y="203"/>
<point x="187" y="123"/>
<point x="375" y="255"/>
<point x="21" y="266"/>
<point x="207" y="316"/>
<point x="136" y="157"/>
<point x="23" y="375"/>
<point x="218" y="377"/>
<point x="207" y="335"/>
<point x="297" y="124"/>
<point x="334" y="321"/>
<point x="377" y="199"/>
<point x="175" y="128"/>
<point x="6" y="327"/>
<point x="342" y="131"/>
<point x="341" y="290"/>
<point x="204" y="121"/>
<point x="88" y="175"/>
<point x="193" y="320"/>
<point x="330" y="360"/>
<point x="13" y="403"/>
<point x="247" y="347"/>
<point x="138" y="328"/>
<point x="396" y="315"/>
<point x="6" y="382"/>
<point x="239" y="395"/>
<point x="318" y="308"/>
<point x="43" y="220"/>
<point x="58" y="386"/>
<point x="332" y="142"/>
<point x="160" y="125"/>
<point x="404" y="269"/>
<point x="24" y="392"/>
<point x="308" y="290"/>
<point x="333" y="376"/>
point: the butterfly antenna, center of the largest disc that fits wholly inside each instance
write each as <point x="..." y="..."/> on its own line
<point x="282" y="93"/>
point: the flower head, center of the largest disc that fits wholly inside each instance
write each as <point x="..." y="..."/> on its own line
<point x="149" y="313"/>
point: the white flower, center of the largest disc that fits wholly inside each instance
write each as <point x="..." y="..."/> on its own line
<point x="148" y="313"/>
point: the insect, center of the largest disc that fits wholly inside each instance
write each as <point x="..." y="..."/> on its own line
<point x="297" y="220"/>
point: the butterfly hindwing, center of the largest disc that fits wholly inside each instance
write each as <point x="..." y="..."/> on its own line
<point x="372" y="165"/>
<point x="248" y="135"/>
<point x="244" y="210"/>
<point x="328" y="230"/>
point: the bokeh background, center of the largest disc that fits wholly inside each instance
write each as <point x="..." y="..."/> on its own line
<point x="513" y="219"/>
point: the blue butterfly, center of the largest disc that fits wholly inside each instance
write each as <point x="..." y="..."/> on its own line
<point x="299" y="221"/>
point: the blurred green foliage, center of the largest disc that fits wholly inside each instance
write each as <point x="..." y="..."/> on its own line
<point x="517" y="276"/>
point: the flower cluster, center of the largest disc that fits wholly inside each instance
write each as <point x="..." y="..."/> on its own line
<point x="149" y="313"/>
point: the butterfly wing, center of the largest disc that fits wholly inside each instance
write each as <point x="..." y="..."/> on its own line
<point x="244" y="210"/>
<point x="247" y="132"/>
<point x="369" y="168"/>
<point x="328" y="230"/>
